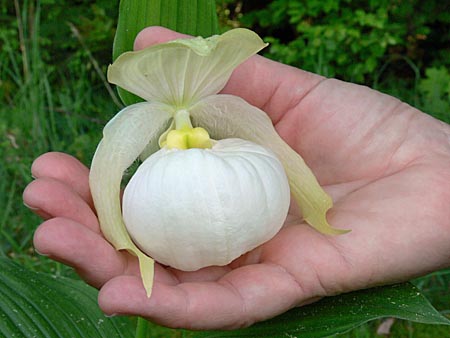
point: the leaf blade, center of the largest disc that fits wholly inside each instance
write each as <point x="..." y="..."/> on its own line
<point x="40" y="305"/>
<point x="338" y="314"/>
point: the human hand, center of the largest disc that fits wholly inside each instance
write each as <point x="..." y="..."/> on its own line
<point x="385" y="164"/>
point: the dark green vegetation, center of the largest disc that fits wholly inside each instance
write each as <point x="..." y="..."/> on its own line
<point x="54" y="97"/>
<point x="44" y="318"/>
<point x="399" y="47"/>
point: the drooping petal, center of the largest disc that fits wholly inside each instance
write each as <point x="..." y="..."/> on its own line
<point x="182" y="71"/>
<point x="155" y="144"/>
<point x="225" y="116"/>
<point x="124" y="138"/>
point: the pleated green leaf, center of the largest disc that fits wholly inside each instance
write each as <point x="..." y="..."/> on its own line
<point x="193" y="17"/>
<point x="45" y="306"/>
<point x="341" y="313"/>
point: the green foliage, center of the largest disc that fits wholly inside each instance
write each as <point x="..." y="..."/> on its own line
<point x="435" y="92"/>
<point x="95" y="20"/>
<point x="339" y="314"/>
<point x="46" y="26"/>
<point x="347" y="39"/>
<point x="44" y="107"/>
<point x="398" y="47"/>
<point x="49" y="306"/>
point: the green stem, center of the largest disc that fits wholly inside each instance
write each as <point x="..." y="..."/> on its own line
<point x="141" y="328"/>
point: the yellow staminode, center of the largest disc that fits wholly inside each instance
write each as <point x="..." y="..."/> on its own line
<point x="187" y="138"/>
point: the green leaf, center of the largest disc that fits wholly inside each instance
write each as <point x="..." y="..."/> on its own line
<point x="341" y="313"/>
<point x="194" y="17"/>
<point x="40" y="305"/>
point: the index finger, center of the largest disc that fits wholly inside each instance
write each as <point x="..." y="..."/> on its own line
<point x="66" y="169"/>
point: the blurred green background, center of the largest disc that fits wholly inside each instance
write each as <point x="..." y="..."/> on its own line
<point x="54" y="96"/>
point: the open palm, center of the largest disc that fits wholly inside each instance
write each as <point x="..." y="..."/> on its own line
<point x="385" y="164"/>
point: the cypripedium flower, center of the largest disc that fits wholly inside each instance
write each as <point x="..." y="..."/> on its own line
<point x="180" y="81"/>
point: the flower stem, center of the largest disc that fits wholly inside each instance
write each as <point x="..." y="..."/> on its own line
<point x="141" y="328"/>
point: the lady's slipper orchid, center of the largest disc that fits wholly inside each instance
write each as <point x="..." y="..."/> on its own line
<point x="180" y="81"/>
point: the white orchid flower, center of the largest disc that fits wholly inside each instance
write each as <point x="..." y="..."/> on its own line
<point x="180" y="81"/>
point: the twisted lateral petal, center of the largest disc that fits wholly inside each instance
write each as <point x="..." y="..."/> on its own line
<point x="155" y="144"/>
<point x="124" y="138"/>
<point x="182" y="71"/>
<point x="226" y="116"/>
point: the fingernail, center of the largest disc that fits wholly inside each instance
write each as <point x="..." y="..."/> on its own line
<point x="40" y="253"/>
<point x="30" y="207"/>
<point x="111" y="315"/>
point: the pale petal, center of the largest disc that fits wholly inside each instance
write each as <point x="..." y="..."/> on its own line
<point x="155" y="144"/>
<point x="124" y="138"/>
<point x="226" y="116"/>
<point x="182" y="71"/>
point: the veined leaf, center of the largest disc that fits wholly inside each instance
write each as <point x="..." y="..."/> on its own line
<point x="41" y="305"/>
<point x="341" y="313"/>
<point x="193" y="17"/>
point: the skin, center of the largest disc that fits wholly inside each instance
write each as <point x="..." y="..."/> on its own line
<point x="385" y="164"/>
